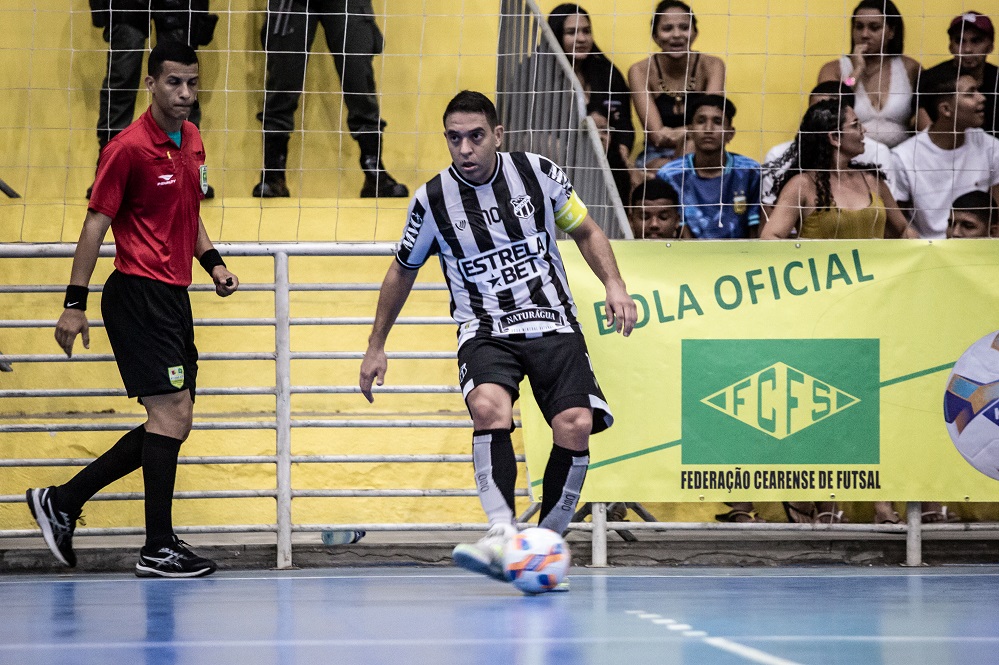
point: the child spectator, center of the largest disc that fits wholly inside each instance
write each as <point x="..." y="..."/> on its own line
<point x="973" y="215"/>
<point x="654" y="213"/>
<point x="719" y="190"/>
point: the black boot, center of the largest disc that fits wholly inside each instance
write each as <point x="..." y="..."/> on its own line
<point x="272" y="183"/>
<point x="377" y="181"/>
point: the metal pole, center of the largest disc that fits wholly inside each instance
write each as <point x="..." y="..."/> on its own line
<point x="913" y="534"/>
<point x="282" y="385"/>
<point x="599" y="538"/>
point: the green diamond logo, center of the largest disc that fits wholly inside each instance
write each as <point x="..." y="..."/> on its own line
<point x="780" y="400"/>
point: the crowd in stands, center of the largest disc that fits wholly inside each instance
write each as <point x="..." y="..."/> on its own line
<point x="866" y="163"/>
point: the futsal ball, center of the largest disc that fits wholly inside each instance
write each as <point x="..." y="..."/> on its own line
<point x="971" y="405"/>
<point x="536" y="560"/>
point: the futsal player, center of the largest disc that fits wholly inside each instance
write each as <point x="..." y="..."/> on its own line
<point x="150" y="181"/>
<point x="492" y="218"/>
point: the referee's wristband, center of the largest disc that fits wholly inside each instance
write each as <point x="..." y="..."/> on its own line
<point x="76" y="297"/>
<point x="210" y="259"/>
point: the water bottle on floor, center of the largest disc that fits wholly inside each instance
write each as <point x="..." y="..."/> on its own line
<point x="342" y="536"/>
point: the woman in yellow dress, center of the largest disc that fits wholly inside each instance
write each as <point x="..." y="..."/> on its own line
<point x="823" y="193"/>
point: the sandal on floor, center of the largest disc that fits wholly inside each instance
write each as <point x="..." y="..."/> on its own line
<point x="894" y="519"/>
<point x="796" y="515"/>
<point x="830" y="517"/>
<point x="939" y="516"/>
<point x="740" y="516"/>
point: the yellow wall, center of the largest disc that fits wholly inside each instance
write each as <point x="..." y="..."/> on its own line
<point x="52" y="62"/>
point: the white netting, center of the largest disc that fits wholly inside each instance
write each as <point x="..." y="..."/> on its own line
<point x="54" y="61"/>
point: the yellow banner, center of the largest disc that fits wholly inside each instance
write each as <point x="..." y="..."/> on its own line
<point x="819" y="370"/>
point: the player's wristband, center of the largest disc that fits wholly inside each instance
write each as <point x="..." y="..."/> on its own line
<point x="76" y="297"/>
<point x="210" y="259"/>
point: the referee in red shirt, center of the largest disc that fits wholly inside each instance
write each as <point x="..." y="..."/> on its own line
<point x="148" y="190"/>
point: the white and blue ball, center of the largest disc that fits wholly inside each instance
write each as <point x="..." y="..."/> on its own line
<point x="971" y="405"/>
<point x="536" y="560"/>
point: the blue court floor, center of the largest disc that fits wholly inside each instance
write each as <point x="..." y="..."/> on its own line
<point x="440" y="616"/>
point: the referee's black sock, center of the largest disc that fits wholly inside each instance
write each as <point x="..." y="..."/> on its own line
<point x="120" y="460"/>
<point x="159" y="472"/>
<point x="495" y="473"/>
<point x="564" y="476"/>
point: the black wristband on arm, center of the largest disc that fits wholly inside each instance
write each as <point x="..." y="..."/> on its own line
<point x="76" y="297"/>
<point x="210" y="259"/>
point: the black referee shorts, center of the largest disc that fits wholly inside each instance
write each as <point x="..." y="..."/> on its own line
<point x="151" y="330"/>
<point x="558" y="366"/>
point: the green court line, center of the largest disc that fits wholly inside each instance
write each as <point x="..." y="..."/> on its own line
<point x="622" y="458"/>
<point x="916" y="375"/>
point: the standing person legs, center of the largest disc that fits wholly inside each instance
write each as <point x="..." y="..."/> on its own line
<point x="121" y="80"/>
<point x="354" y="39"/>
<point x="151" y="330"/>
<point x="287" y="36"/>
<point x="116" y="107"/>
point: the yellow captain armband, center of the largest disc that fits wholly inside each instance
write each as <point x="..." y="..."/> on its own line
<point x="571" y="214"/>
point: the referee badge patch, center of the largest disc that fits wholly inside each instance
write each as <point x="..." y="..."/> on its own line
<point x="203" y="176"/>
<point x="176" y="376"/>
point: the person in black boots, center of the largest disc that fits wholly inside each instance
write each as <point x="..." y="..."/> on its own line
<point x="353" y="39"/>
<point x="126" y="29"/>
<point x="150" y="181"/>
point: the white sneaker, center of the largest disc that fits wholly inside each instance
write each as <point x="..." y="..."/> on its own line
<point x="561" y="587"/>
<point x="486" y="556"/>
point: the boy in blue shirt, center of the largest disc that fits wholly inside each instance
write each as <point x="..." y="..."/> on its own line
<point x="719" y="190"/>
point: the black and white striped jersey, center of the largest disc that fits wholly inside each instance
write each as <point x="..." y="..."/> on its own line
<point x="496" y="245"/>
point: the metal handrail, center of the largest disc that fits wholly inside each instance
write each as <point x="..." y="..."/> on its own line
<point x="283" y="423"/>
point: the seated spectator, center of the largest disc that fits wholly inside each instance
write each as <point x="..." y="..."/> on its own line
<point x="654" y="213"/>
<point x="661" y="83"/>
<point x="608" y="99"/>
<point x="877" y="154"/>
<point x="824" y="192"/>
<point x="972" y="38"/>
<point x="882" y="78"/>
<point x="719" y="190"/>
<point x="973" y="215"/>
<point x="952" y="157"/>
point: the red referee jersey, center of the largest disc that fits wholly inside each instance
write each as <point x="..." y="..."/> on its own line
<point x="151" y="190"/>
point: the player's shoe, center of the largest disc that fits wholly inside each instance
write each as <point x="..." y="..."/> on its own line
<point x="561" y="587"/>
<point x="173" y="560"/>
<point x="485" y="556"/>
<point x="57" y="526"/>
